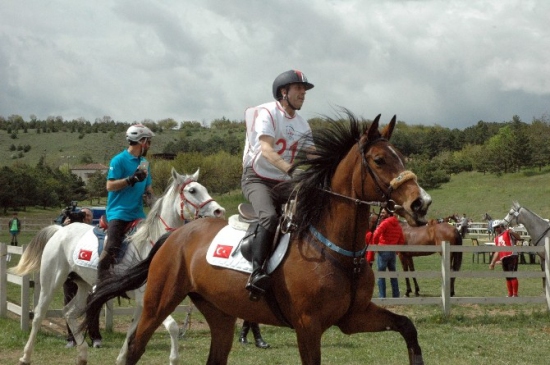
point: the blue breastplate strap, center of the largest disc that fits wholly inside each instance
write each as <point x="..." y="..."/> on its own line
<point x="333" y="247"/>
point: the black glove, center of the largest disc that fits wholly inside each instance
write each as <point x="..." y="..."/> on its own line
<point x="138" y="176"/>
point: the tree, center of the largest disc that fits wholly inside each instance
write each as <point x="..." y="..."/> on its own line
<point x="96" y="187"/>
<point x="538" y="136"/>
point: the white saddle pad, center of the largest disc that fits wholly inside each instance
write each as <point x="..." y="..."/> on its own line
<point x="85" y="253"/>
<point x="223" y="251"/>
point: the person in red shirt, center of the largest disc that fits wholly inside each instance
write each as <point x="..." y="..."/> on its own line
<point x="369" y="255"/>
<point x="389" y="232"/>
<point x="509" y="260"/>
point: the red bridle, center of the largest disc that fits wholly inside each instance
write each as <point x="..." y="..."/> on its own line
<point x="183" y="208"/>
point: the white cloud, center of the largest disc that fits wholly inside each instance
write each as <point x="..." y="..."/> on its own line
<point x="451" y="63"/>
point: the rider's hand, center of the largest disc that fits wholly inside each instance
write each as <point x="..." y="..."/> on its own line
<point x="138" y="176"/>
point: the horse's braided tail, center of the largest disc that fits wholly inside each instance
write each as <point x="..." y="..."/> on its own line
<point x="117" y="285"/>
<point x="32" y="257"/>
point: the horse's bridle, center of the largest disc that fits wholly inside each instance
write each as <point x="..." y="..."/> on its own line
<point x="389" y="204"/>
<point x="183" y="207"/>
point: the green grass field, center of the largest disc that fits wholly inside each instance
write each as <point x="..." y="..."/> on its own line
<point x="473" y="334"/>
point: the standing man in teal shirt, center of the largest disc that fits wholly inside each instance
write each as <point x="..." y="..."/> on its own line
<point x="127" y="180"/>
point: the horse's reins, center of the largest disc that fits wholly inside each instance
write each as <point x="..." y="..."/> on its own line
<point x="359" y="255"/>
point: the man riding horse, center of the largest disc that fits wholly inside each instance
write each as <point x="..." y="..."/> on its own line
<point x="275" y="133"/>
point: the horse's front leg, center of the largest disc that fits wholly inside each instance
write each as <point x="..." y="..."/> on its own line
<point x="372" y="318"/>
<point x="309" y="342"/>
<point x="416" y="287"/>
<point x="405" y="263"/>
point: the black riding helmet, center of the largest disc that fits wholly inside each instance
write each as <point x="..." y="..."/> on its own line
<point x="287" y="78"/>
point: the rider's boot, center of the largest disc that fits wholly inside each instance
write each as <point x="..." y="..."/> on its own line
<point x="260" y="343"/>
<point x="244" y="333"/>
<point x="259" y="281"/>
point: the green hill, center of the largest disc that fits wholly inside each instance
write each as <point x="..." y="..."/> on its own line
<point x="59" y="145"/>
<point x="475" y="193"/>
<point x="471" y="193"/>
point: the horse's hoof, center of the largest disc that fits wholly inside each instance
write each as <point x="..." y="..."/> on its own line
<point x="24" y="363"/>
<point x="82" y="362"/>
<point x="407" y="294"/>
<point x="417" y="294"/>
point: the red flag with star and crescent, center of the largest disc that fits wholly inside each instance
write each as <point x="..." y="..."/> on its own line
<point x="223" y="251"/>
<point x="85" y="255"/>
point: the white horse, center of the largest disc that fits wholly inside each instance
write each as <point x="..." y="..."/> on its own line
<point x="184" y="199"/>
<point x="537" y="227"/>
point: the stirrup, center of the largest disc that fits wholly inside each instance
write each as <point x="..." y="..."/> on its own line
<point x="258" y="286"/>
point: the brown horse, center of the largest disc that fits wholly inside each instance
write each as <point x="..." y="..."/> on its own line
<point x="323" y="280"/>
<point x="448" y="219"/>
<point x="431" y="234"/>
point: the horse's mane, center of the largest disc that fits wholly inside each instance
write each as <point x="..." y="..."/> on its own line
<point x="332" y="144"/>
<point x="149" y="229"/>
<point x="517" y="206"/>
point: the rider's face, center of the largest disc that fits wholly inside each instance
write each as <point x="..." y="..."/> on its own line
<point x="296" y="95"/>
<point x="145" y="144"/>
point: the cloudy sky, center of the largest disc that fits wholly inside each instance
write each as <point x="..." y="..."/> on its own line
<point x="447" y="62"/>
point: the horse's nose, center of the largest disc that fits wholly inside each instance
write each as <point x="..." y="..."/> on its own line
<point x="220" y="213"/>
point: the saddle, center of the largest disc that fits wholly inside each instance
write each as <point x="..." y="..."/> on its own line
<point x="247" y="220"/>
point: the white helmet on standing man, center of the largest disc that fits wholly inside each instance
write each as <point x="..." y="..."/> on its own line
<point x="138" y="131"/>
<point x="497" y="223"/>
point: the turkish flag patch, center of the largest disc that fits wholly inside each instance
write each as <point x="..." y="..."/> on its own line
<point x="85" y="255"/>
<point x="223" y="251"/>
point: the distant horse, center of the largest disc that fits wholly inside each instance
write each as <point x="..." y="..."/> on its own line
<point x="537" y="227"/>
<point x="323" y="279"/>
<point x="55" y="247"/>
<point x="430" y="234"/>
<point x="447" y="219"/>
<point x="489" y="220"/>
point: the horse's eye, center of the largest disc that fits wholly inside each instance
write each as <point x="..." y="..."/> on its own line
<point x="379" y="161"/>
<point x="191" y="190"/>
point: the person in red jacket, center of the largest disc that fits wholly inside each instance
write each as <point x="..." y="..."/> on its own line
<point x="389" y="232"/>
<point x="369" y="255"/>
<point x="509" y="260"/>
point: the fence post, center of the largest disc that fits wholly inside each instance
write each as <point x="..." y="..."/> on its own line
<point x="3" y="281"/>
<point x="547" y="269"/>
<point x="446" y="278"/>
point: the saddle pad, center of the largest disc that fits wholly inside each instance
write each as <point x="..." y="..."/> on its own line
<point x="224" y="251"/>
<point x="85" y="253"/>
<point x="236" y="222"/>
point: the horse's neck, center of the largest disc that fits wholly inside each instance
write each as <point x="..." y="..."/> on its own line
<point x="344" y="224"/>
<point x="535" y="226"/>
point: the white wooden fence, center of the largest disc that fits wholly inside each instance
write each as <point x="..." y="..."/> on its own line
<point x="28" y="282"/>
<point x="445" y="273"/>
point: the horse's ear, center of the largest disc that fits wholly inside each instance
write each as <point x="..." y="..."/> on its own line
<point x="175" y="174"/>
<point x="196" y="175"/>
<point x="388" y="130"/>
<point x="372" y="132"/>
